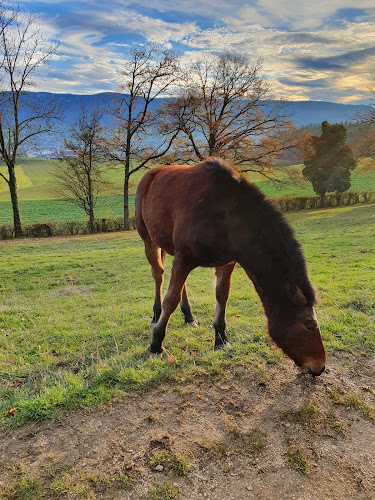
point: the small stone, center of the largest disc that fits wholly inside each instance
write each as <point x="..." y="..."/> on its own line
<point x="159" y="468"/>
<point x="249" y="488"/>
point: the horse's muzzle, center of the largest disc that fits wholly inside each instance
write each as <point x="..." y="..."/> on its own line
<point x="313" y="373"/>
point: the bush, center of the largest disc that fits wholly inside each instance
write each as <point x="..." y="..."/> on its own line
<point x="6" y="232"/>
<point x="40" y="229"/>
<point x="284" y="203"/>
<point x="294" y="203"/>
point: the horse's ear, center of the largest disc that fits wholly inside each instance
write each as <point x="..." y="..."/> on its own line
<point x="296" y="295"/>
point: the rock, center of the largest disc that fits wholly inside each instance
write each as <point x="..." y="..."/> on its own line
<point x="159" y="468"/>
<point x="249" y="488"/>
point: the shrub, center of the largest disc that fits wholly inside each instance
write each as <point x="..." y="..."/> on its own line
<point x="6" y="232"/>
<point x="40" y="229"/>
<point x="289" y="203"/>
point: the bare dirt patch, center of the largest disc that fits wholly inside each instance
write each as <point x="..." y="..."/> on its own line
<point x="290" y="437"/>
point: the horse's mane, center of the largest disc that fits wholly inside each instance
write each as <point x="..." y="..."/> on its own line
<point x="274" y="229"/>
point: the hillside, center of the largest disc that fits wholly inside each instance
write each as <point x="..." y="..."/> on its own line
<point x="48" y="145"/>
<point x="98" y="419"/>
<point x="37" y="202"/>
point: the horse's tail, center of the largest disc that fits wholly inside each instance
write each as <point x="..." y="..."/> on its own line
<point x="140" y="195"/>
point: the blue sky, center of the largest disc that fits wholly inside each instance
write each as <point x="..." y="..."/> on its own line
<point x="310" y="50"/>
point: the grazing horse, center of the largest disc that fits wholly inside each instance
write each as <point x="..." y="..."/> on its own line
<point x="208" y="215"/>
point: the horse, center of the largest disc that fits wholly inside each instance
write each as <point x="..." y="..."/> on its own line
<point x="209" y="215"/>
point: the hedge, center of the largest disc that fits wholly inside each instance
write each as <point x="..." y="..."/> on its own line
<point x="51" y="228"/>
<point x="294" y="203"/>
<point x="284" y="203"/>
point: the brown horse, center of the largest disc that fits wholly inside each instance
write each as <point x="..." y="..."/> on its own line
<point x="207" y="215"/>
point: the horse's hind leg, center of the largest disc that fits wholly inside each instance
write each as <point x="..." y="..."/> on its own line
<point x="186" y="309"/>
<point x="223" y="281"/>
<point x="156" y="258"/>
<point x="180" y="271"/>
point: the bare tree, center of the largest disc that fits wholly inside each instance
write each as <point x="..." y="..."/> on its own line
<point x="226" y="110"/>
<point x="363" y="137"/>
<point x="79" y="172"/>
<point x="138" y="137"/>
<point x="23" y="51"/>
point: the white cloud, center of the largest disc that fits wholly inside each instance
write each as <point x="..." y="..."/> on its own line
<point x="296" y="40"/>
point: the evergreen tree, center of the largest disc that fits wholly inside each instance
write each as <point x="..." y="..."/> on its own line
<point x="329" y="167"/>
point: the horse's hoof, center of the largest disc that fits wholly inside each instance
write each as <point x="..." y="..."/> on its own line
<point x="193" y="324"/>
<point x="221" y="347"/>
<point x="154" y="355"/>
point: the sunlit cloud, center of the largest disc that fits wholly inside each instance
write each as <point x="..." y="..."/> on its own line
<point x="309" y="52"/>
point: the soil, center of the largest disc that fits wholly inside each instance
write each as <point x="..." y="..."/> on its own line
<point x="234" y="435"/>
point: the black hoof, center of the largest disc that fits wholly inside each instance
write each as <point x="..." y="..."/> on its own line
<point x="154" y="353"/>
<point x="194" y="323"/>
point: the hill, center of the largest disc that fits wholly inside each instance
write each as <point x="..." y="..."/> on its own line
<point x="237" y="424"/>
<point x="301" y="112"/>
<point x="37" y="185"/>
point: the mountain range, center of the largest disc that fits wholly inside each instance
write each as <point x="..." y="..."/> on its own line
<point x="302" y="113"/>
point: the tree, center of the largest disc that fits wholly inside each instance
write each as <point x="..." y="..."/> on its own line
<point x="362" y="135"/>
<point x="225" y="109"/>
<point x="79" y="172"/>
<point x="329" y="167"/>
<point x="24" y="51"/>
<point x="138" y="137"/>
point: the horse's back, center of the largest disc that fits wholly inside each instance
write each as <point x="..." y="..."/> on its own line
<point x="186" y="208"/>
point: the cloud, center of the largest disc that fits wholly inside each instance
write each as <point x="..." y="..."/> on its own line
<point x="339" y="62"/>
<point x="303" y="82"/>
<point x="304" y="46"/>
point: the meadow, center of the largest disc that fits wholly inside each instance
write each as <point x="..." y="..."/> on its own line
<point x="37" y="185"/>
<point x="75" y="315"/>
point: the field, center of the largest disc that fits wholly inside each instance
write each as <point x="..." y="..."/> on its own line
<point x="241" y="423"/>
<point x="37" y="203"/>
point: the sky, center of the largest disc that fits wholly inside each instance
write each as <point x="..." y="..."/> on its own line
<point x="311" y="50"/>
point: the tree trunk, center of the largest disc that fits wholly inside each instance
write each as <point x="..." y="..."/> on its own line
<point x="91" y="218"/>
<point x="14" y="197"/>
<point x="90" y="196"/>
<point x="321" y="200"/>
<point x="126" y="202"/>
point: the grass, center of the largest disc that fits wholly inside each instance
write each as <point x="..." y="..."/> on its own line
<point x="160" y="491"/>
<point x="75" y="315"/>
<point x="296" y="459"/>
<point x="36" y="186"/>
<point x="177" y="463"/>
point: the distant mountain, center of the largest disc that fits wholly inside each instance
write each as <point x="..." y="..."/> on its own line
<point x="308" y="112"/>
<point x="302" y="113"/>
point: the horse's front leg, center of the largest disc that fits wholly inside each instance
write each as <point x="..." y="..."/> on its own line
<point x="180" y="271"/>
<point x="223" y="281"/>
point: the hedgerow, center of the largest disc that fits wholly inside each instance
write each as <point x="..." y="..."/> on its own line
<point x="51" y="228"/>
<point x="285" y="203"/>
<point x="294" y="203"/>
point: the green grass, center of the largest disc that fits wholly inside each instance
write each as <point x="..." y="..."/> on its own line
<point x="296" y="459"/>
<point x="36" y="186"/>
<point x="75" y="315"/>
<point x="62" y="211"/>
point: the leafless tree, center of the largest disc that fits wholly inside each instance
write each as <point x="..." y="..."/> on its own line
<point x="138" y="137"/>
<point x="363" y="137"/>
<point x="226" y="109"/>
<point x="79" y="171"/>
<point x="23" y="51"/>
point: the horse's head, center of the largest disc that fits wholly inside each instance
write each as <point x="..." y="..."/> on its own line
<point x="295" y="329"/>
